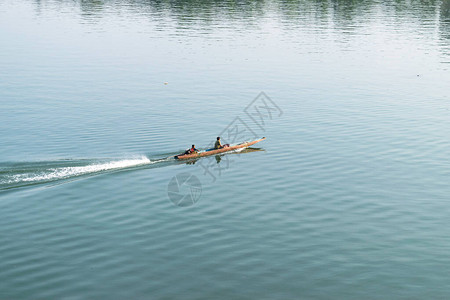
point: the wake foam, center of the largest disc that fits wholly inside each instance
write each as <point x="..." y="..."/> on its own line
<point x="59" y="173"/>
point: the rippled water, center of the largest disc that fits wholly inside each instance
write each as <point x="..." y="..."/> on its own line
<point x="347" y="198"/>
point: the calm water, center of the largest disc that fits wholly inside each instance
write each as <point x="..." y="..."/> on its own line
<point x="348" y="198"/>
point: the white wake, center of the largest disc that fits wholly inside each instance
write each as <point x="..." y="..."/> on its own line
<point x="68" y="172"/>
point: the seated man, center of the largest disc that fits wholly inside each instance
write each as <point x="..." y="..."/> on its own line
<point x="218" y="144"/>
<point x="192" y="150"/>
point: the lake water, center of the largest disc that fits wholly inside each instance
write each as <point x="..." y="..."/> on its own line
<point x="347" y="198"/>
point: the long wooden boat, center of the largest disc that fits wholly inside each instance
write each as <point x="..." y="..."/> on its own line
<point x="217" y="151"/>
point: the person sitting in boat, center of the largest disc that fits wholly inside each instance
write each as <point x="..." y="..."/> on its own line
<point x="218" y="144"/>
<point x="192" y="150"/>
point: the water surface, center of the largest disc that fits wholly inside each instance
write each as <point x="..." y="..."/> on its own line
<point x="348" y="198"/>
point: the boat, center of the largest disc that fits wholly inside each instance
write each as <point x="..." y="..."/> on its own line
<point x="218" y="151"/>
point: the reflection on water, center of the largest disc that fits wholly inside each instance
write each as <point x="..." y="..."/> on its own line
<point x="190" y="17"/>
<point x="218" y="158"/>
<point x="444" y="29"/>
